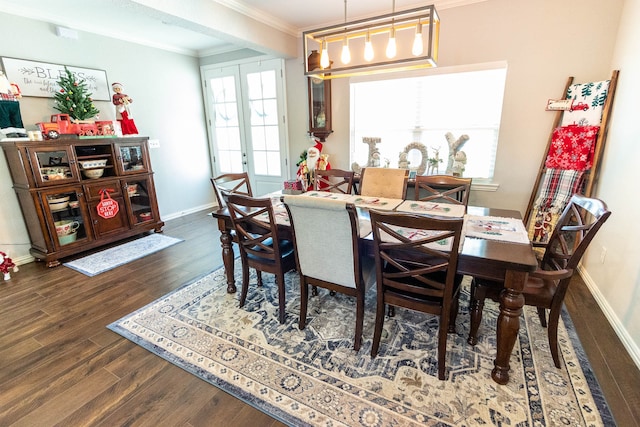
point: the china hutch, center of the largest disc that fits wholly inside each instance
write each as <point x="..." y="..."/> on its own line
<point x="103" y="186"/>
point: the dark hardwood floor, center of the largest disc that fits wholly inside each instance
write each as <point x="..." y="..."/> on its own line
<point x="59" y="365"/>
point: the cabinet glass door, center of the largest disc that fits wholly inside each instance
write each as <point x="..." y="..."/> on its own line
<point x="67" y="216"/>
<point x="53" y="166"/>
<point x="132" y="158"/>
<point x="138" y="193"/>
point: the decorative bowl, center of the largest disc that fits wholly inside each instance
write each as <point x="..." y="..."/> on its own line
<point x="93" y="173"/>
<point x="96" y="163"/>
<point x="92" y="169"/>
<point x="58" y="202"/>
<point x="145" y="216"/>
<point x="74" y="204"/>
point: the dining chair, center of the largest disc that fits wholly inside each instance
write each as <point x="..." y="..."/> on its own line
<point x="233" y="183"/>
<point x="334" y="180"/>
<point x="261" y="246"/>
<point x="546" y="287"/>
<point x="384" y="182"/>
<point x="443" y="189"/>
<point x="325" y="235"/>
<point x="416" y="260"/>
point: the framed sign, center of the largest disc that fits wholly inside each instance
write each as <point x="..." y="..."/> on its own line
<point x="41" y="78"/>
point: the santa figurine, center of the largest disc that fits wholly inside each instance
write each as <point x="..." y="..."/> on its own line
<point x="122" y="102"/>
<point x="314" y="161"/>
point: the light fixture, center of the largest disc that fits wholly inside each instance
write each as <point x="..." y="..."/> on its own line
<point x="324" y="56"/>
<point x="346" y="55"/>
<point x="412" y="33"/>
<point x="368" y="48"/>
<point x="391" y="44"/>
<point x="418" y="45"/>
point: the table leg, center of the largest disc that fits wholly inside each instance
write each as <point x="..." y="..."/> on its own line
<point x="227" y="257"/>
<point x="511" y="303"/>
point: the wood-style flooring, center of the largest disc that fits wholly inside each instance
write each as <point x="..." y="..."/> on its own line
<point x="61" y="366"/>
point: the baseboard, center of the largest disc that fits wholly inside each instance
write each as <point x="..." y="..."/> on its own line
<point x="26" y="259"/>
<point x="618" y="327"/>
<point x="188" y="212"/>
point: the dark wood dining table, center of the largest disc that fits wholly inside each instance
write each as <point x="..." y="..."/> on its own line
<point x="489" y="259"/>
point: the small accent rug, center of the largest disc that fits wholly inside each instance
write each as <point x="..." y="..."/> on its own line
<point x="106" y="260"/>
<point x="315" y="378"/>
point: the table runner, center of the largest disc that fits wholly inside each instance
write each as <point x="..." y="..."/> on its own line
<point x="431" y="208"/>
<point x="496" y="228"/>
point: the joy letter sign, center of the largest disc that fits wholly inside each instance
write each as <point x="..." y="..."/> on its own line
<point x="107" y="207"/>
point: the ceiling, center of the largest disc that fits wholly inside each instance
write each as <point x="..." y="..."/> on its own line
<point x="152" y="22"/>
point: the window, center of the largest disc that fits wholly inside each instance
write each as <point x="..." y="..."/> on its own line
<point x="423" y="109"/>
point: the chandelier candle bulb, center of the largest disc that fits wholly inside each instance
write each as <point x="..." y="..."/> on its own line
<point x="368" y="48"/>
<point x="418" y="46"/>
<point x="346" y="55"/>
<point x="391" y="46"/>
<point x="324" y="56"/>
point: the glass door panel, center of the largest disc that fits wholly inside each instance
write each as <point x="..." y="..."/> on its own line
<point x="54" y="166"/>
<point x="132" y="158"/>
<point x="139" y="200"/>
<point x="68" y="217"/>
<point x="229" y="152"/>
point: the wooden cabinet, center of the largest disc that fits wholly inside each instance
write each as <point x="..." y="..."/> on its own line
<point x="61" y="185"/>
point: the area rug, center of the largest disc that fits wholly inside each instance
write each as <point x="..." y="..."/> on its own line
<point x="315" y="378"/>
<point x="116" y="256"/>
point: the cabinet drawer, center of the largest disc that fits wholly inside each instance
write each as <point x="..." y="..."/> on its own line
<point x="92" y="191"/>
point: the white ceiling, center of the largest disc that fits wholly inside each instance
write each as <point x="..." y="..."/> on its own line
<point x="132" y="20"/>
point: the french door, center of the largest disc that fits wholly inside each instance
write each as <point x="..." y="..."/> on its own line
<point x="246" y="116"/>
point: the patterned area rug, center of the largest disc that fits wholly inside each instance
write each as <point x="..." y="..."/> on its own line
<point x="111" y="258"/>
<point x="314" y="377"/>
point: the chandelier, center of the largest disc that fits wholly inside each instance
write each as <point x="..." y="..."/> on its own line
<point x="409" y="38"/>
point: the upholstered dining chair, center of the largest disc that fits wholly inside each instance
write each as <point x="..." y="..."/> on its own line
<point x="443" y="189"/>
<point x="384" y="182"/>
<point x="261" y="247"/>
<point x="545" y="288"/>
<point x="329" y="226"/>
<point x="416" y="269"/>
<point x="232" y="183"/>
<point x="334" y="180"/>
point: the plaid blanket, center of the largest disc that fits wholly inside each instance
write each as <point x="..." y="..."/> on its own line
<point x="557" y="188"/>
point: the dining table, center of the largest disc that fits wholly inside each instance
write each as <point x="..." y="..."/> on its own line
<point x="493" y="247"/>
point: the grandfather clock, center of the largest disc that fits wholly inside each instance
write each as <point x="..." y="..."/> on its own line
<point x="319" y="101"/>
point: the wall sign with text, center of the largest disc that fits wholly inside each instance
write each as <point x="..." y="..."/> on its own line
<point x="41" y="78"/>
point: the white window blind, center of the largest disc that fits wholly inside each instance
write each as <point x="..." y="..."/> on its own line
<point x="423" y="109"/>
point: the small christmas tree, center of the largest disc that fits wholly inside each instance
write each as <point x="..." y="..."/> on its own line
<point x="73" y="98"/>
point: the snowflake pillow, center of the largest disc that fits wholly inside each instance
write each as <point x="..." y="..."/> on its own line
<point x="572" y="148"/>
